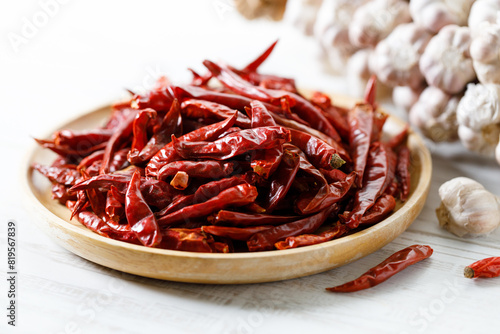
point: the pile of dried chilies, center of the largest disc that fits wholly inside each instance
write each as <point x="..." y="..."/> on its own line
<point x="249" y="165"/>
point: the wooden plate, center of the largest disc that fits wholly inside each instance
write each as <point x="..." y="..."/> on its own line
<point x="268" y="266"/>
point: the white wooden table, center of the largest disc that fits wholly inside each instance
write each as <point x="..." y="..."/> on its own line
<point x="82" y="57"/>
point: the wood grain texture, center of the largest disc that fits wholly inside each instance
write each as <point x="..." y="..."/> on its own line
<point x="221" y="268"/>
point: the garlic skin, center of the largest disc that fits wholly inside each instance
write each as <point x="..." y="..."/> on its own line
<point x="302" y="14"/>
<point x="435" y="14"/>
<point x="375" y="20"/>
<point x="396" y="58"/>
<point x="485" y="51"/>
<point x="467" y="209"/>
<point x="482" y="141"/>
<point x="446" y="61"/>
<point x="480" y="106"/>
<point x="435" y="115"/>
<point x="405" y="97"/>
<point x="331" y="29"/>
<point x="483" y="11"/>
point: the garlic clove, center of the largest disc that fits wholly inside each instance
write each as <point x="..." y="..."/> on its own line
<point x="485" y="51"/>
<point x="435" y="14"/>
<point x="480" y="106"/>
<point x="483" y="11"/>
<point x="467" y="209"/>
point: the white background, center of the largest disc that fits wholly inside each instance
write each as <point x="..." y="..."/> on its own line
<point x="83" y="56"/>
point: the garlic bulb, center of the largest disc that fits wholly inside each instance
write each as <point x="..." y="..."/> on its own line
<point x="405" y="97"/>
<point x="480" y="106"/>
<point x="375" y="20"/>
<point x="435" y="14"/>
<point x="482" y="141"/>
<point x="467" y="208"/>
<point x="485" y="51"/>
<point x="302" y="14"/>
<point x="483" y="11"/>
<point x="332" y="31"/>
<point x="396" y="58"/>
<point x="446" y="62"/>
<point x="435" y="114"/>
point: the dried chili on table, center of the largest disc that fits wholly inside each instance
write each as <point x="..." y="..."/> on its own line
<point x="251" y="161"/>
<point x="386" y="269"/>
<point x="487" y="268"/>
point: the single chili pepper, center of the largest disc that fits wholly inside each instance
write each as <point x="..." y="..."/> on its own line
<point x="139" y="216"/>
<point x="265" y="240"/>
<point x="236" y="196"/>
<point x="403" y="172"/>
<point x="199" y="80"/>
<point x="286" y="111"/>
<point x="75" y="138"/>
<point x="61" y="175"/>
<point x="194" y="108"/>
<point x="180" y="180"/>
<point x="319" y="153"/>
<point x="214" y="188"/>
<point x="489" y="267"/>
<point x="385" y="270"/>
<point x="381" y="209"/>
<point x="68" y="152"/>
<point x="121" y="232"/>
<point x="399" y="138"/>
<point x="260" y="115"/>
<point x="308" y="203"/>
<point x="96" y="199"/>
<point x="380" y="171"/>
<point x="392" y="189"/>
<point x="191" y="240"/>
<point x="302" y="107"/>
<point x="233" y="144"/>
<point x="204" y="169"/>
<point x="93" y="222"/>
<point x="176" y="204"/>
<point x="361" y="125"/>
<point x="168" y="154"/>
<point x="61" y="161"/>
<point x="234" y="233"/>
<point x="140" y="126"/>
<point x="121" y="135"/>
<point x="159" y="99"/>
<point x="232" y="218"/>
<point x="114" y="204"/>
<point x="333" y="175"/>
<point x="254" y="65"/>
<point x="282" y="179"/>
<point x="332" y="113"/>
<point x="334" y="232"/>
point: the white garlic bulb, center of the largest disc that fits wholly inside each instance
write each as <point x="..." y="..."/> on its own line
<point x="396" y="58"/>
<point x="375" y="20"/>
<point x="467" y="208"/>
<point x="446" y="62"/>
<point x="483" y="11"/>
<point x="482" y="141"/>
<point x="480" y="106"/>
<point x="405" y="97"/>
<point x="485" y="51"/>
<point x="435" y="14"/>
<point x="435" y="114"/>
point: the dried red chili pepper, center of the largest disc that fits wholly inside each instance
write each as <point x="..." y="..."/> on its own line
<point x="115" y="201"/>
<point x="140" y="130"/>
<point x="265" y="240"/>
<point x="333" y="175"/>
<point x="194" y="108"/>
<point x="68" y="152"/>
<point x="236" y="196"/>
<point x="75" y="139"/>
<point x="214" y="188"/>
<point x="385" y="270"/>
<point x="381" y="209"/>
<point x="361" y="125"/>
<point x="403" y="172"/>
<point x="380" y="171"/>
<point x="399" y="138"/>
<point x="233" y="144"/>
<point x="254" y="65"/>
<point x="177" y="204"/>
<point x="191" y="240"/>
<point x="205" y="169"/>
<point x="121" y="135"/>
<point x="61" y="175"/>
<point x="334" y="232"/>
<point x="232" y="218"/>
<point x="234" y="233"/>
<point x="487" y="268"/>
<point x="141" y="219"/>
